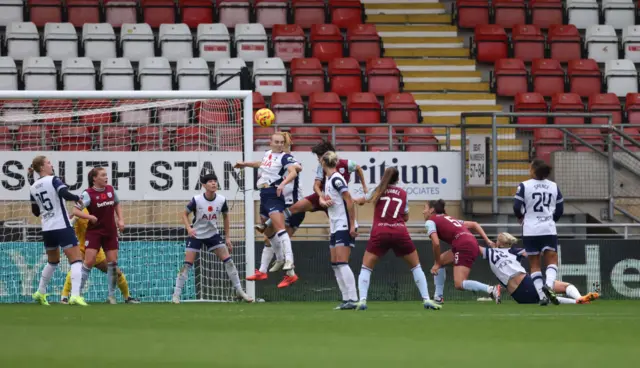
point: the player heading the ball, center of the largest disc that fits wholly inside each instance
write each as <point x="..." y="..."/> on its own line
<point x="48" y="195"/>
<point x="203" y="232"/>
<point x="389" y="232"/>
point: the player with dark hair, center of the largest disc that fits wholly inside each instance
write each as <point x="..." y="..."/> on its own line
<point x="464" y="247"/>
<point x="203" y="233"/>
<point x="102" y="202"/>
<point x="389" y="232"/>
<point x="538" y="205"/>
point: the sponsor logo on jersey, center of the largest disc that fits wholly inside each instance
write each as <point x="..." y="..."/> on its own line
<point x="105" y="204"/>
<point x="209" y="217"/>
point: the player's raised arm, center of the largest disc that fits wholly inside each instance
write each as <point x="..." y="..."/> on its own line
<point x="292" y="167"/>
<point x="474" y="226"/>
<point x="243" y="164"/>
<point x="85" y="201"/>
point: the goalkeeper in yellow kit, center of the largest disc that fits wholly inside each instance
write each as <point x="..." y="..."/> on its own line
<point x="80" y="227"/>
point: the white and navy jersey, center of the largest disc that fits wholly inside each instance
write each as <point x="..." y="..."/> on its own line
<point x="504" y="264"/>
<point x="292" y="192"/>
<point x="206" y="213"/>
<point x="540" y="203"/>
<point x="45" y="193"/>
<point x="273" y="168"/>
<point x="338" y="215"/>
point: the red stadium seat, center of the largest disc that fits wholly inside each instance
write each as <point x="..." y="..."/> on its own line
<point x="508" y="13"/>
<point x="345" y="76"/>
<point x="377" y="139"/>
<point x="591" y="136"/>
<point x="308" y="12"/>
<point x="262" y="137"/>
<point x="325" y="108"/>
<point x="33" y="138"/>
<point x="45" y="11"/>
<point x="288" y="107"/>
<point x="157" y="12"/>
<point x="209" y="112"/>
<point x="585" y="77"/>
<point x="232" y="12"/>
<point x="115" y="139"/>
<point x="547" y="77"/>
<point x="344" y="13"/>
<point x="472" y="13"/>
<point x="348" y="139"/>
<point x="634" y="133"/>
<point x="564" y="43"/>
<point x="383" y="76"/>
<point x="419" y="139"/>
<point x="305" y="137"/>
<point x="118" y="12"/>
<point x="567" y="102"/>
<point x="227" y="139"/>
<point x="363" y="42"/>
<point x="80" y="12"/>
<point x="401" y="108"/>
<point x="59" y="112"/>
<point x="363" y="108"/>
<point x="530" y="102"/>
<point x="271" y="12"/>
<point x="326" y="42"/>
<point x="545" y="13"/>
<point x="258" y="103"/>
<point x="491" y="43"/>
<point x="152" y="138"/>
<point x="632" y="108"/>
<point x="194" y="139"/>
<point x="528" y="43"/>
<point x="546" y="141"/>
<point x="288" y="42"/>
<point x="194" y="12"/>
<point x="510" y="77"/>
<point x="94" y="120"/>
<point x="605" y="103"/>
<point x="307" y="76"/>
<point x="6" y="140"/>
<point x="74" y="138"/>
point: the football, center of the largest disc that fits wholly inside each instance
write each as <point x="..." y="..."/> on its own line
<point x="264" y="117"/>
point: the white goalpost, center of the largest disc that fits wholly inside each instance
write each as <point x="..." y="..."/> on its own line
<point x="155" y="146"/>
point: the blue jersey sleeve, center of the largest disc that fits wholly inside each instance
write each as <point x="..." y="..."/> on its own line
<point x="287" y="160"/>
<point x="431" y="227"/>
<point x="86" y="199"/>
<point x="518" y="201"/>
<point x="559" y="206"/>
<point x="518" y="252"/>
<point x="57" y="184"/>
<point x="191" y="206"/>
<point x="339" y="185"/>
<point x="224" y="208"/>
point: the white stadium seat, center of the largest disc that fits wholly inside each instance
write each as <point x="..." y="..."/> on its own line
<point x="226" y="68"/>
<point x="193" y="74"/>
<point x="213" y="41"/>
<point x="621" y="77"/>
<point x="116" y="75"/>
<point x="269" y="13"/>
<point x="60" y="41"/>
<point x="99" y="41"/>
<point x="269" y="75"/>
<point x="601" y="43"/>
<point x="619" y="13"/>
<point x="631" y="43"/>
<point x="583" y="13"/>
<point x="22" y="40"/>
<point x="251" y="42"/>
<point x="78" y="74"/>
<point x="11" y="11"/>
<point x="8" y="74"/>
<point x="133" y="115"/>
<point x="233" y="12"/>
<point x="23" y="109"/>
<point x="39" y="74"/>
<point x="136" y="41"/>
<point x="175" y="41"/>
<point x="291" y="112"/>
<point x="154" y="74"/>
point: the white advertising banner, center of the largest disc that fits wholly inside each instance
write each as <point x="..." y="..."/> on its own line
<point x="174" y="175"/>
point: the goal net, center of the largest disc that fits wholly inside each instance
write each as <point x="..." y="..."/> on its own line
<point x="155" y="146"/>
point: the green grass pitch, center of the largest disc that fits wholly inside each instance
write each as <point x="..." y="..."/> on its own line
<point x="603" y="334"/>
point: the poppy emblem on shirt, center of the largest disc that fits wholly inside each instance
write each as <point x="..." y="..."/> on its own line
<point x="210" y="209"/>
<point x="270" y="155"/>
<point x="103" y="196"/>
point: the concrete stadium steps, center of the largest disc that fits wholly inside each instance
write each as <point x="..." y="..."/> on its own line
<point x="409" y="18"/>
<point x="416" y="30"/>
<point x="428" y="65"/>
<point x="431" y="42"/>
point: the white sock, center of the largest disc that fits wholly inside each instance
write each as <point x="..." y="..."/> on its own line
<point x="349" y="281"/>
<point x="112" y="278"/>
<point x="182" y="277"/>
<point x="472" y="285"/>
<point x="267" y="223"/>
<point x="76" y="278"/>
<point x="421" y="281"/>
<point x="232" y="272"/>
<point x="86" y="271"/>
<point x="364" y="282"/>
<point x="285" y="241"/>
<point x="47" y="274"/>
<point x="439" y="280"/>
<point x="267" y="256"/>
<point x="341" y="285"/>
<point x="537" y="282"/>
<point x="290" y="272"/>
<point x="566" y="300"/>
<point x="572" y="292"/>
<point x="277" y="247"/>
<point x="552" y="274"/>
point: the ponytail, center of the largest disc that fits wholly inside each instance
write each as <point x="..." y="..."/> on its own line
<point x="390" y="177"/>
<point x="37" y="164"/>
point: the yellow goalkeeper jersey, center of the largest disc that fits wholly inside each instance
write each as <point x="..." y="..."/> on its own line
<point x="80" y="227"/>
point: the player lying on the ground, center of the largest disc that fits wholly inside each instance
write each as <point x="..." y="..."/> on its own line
<point x="48" y="195"/>
<point x="203" y="232"/>
<point x="505" y="265"/>
<point x="464" y="247"/>
<point x="389" y="232"/>
<point x="292" y="192"/>
<point x="80" y="227"/>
